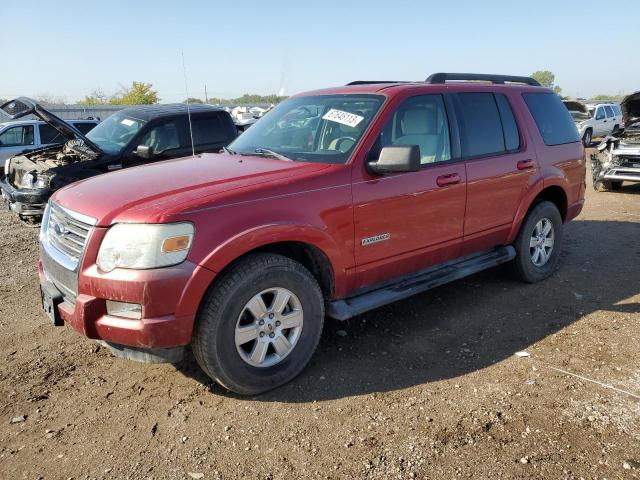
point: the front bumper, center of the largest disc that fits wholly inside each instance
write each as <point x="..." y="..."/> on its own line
<point x="170" y="298"/>
<point x="22" y="201"/>
<point x="626" y="174"/>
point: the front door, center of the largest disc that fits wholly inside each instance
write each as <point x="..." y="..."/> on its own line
<point x="405" y="222"/>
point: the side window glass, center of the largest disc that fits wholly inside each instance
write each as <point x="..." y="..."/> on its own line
<point x="84" y="127"/>
<point x="209" y="130"/>
<point x="422" y="121"/>
<point x="509" y="125"/>
<point x="48" y="134"/>
<point x="599" y="113"/>
<point x="162" y="137"/>
<point x="481" y="128"/>
<point x="609" y="111"/>
<point x="17" y="136"/>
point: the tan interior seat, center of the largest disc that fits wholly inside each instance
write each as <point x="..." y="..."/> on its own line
<point x="419" y="127"/>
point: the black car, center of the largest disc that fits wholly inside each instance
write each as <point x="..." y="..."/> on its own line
<point x="132" y="136"/>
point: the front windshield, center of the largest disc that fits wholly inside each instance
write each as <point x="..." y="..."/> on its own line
<point x="115" y="132"/>
<point x="322" y="128"/>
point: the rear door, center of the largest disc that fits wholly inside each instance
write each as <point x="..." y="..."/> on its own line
<point x="611" y="118"/>
<point x="499" y="166"/>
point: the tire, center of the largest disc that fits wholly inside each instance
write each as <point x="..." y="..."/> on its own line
<point x="524" y="266"/>
<point x="225" y="312"/>
<point x="587" y="138"/>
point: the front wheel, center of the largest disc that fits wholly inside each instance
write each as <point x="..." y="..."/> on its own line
<point x="538" y="243"/>
<point x="259" y="324"/>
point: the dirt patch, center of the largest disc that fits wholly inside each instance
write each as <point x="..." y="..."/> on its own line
<point x="425" y="388"/>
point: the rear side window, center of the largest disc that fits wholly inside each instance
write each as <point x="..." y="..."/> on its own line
<point x="552" y="118"/>
<point x="509" y="125"/>
<point x="209" y="130"/>
<point x="481" y="128"/>
<point x="48" y="134"/>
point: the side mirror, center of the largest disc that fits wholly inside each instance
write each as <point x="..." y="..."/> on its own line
<point x="397" y="158"/>
<point x="144" y="151"/>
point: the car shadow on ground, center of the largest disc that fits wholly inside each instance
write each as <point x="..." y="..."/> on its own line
<point x="467" y="325"/>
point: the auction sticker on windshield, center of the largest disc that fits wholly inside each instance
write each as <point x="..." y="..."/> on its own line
<point x="345" y="118"/>
<point x="127" y="122"/>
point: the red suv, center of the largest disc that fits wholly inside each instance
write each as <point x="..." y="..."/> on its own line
<point x="336" y="202"/>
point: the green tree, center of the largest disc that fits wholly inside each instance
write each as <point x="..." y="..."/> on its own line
<point x="608" y="98"/>
<point x="192" y="100"/>
<point x="97" y="97"/>
<point x="139" y="93"/>
<point x="546" y="79"/>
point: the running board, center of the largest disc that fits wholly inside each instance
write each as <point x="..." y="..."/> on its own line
<point x="419" y="282"/>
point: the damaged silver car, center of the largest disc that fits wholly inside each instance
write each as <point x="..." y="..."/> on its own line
<point x="618" y="156"/>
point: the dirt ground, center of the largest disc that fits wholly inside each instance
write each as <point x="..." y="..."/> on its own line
<point x="429" y="387"/>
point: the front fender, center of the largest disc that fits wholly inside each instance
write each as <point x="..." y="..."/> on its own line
<point x="260" y="236"/>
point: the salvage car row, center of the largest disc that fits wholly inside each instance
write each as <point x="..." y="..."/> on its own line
<point x="337" y="202"/>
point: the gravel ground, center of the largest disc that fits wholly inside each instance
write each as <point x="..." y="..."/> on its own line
<point x="429" y="387"/>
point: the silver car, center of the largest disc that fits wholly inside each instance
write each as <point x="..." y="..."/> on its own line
<point x="24" y="135"/>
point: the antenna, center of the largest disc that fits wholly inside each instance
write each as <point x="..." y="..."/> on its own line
<point x="186" y="90"/>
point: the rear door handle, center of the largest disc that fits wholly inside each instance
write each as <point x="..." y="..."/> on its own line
<point x="451" y="179"/>
<point x="525" y="164"/>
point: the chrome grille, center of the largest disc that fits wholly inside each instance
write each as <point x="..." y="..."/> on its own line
<point x="66" y="233"/>
<point x="63" y="237"/>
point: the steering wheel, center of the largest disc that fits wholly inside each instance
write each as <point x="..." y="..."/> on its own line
<point x="342" y="139"/>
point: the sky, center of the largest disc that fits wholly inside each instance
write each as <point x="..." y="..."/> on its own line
<point x="67" y="49"/>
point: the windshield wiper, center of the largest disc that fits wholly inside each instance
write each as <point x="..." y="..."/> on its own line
<point x="228" y="150"/>
<point x="270" y="153"/>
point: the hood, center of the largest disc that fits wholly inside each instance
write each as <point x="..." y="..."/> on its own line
<point x="630" y="106"/>
<point x="152" y="193"/>
<point x="23" y="106"/>
<point x="576" y="106"/>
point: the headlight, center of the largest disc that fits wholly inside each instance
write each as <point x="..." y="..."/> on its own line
<point x="143" y="246"/>
<point x="27" y="180"/>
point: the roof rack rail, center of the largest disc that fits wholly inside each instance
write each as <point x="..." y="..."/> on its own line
<point x="480" y="77"/>
<point x="371" y="82"/>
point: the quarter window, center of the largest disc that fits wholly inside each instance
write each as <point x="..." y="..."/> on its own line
<point x="17" y="136"/>
<point x="552" y="118"/>
<point x="422" y="121"/>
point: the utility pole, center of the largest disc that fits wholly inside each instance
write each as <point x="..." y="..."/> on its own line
<point x="206" y="99"/>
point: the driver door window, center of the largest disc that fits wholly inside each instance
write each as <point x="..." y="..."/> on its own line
<point x="422" y="121"/>
<point x="162" y="138"/>
<point x="17" y="136"/>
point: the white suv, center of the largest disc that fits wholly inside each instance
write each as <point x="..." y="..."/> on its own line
<point x="592" y="121"/>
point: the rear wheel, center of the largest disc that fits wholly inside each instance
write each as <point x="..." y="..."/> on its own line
<point x="538" y="243"/>
<point x="259" y="324"/>
<point x="587" y="138"/>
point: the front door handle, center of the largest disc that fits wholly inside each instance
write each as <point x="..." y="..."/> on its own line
<point x="451" y="179"/>
<point x="525" y="164"/>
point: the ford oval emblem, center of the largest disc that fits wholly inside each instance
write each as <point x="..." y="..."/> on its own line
<point x="59" y="229"/>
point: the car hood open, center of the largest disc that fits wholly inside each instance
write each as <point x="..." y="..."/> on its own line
<point x="630" y="106"/>
<point x="576" y="106"/>
<point x="23" y="106"/>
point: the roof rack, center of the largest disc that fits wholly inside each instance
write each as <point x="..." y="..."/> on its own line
<point x="480" y="77"/>
<point x="371" y="82"/>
